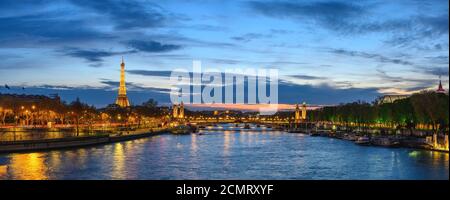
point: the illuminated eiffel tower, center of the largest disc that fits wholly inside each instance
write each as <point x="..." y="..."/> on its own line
<point x="122" y="99"/>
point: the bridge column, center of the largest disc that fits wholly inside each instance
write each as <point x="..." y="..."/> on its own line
<point x="435" y="142"/>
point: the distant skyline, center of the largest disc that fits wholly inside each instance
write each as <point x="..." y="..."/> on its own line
<point x="327" y="52"/>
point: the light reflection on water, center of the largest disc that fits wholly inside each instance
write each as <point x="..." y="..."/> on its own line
<point x="27" y="166"/>
<point x="228" y="155"/>
<point x="36" y="135"/>
<point x="119" y="162"/>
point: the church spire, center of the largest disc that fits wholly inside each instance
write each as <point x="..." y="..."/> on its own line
<point x="440" y="88"/>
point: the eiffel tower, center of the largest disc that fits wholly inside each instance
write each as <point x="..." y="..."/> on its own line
<point x="122" y="99"/>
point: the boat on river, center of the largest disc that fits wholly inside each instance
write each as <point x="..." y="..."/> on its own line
<point x="246" y="126"/>
<point x="314" y="134"/>
<point x="350" y="137"/>
<point x="364" y="140"/>
<point x="181" y="130"/>
<point x="385" y="141"/>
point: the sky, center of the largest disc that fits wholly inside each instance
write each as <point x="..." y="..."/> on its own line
<point x="327" y="52"/>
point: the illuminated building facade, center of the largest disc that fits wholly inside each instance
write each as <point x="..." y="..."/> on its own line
<point x="181" y="111"/>
<point x="300" y="114"/>
<point x="178" y="111"/>
<point x="390" y="98"/>
<point x="297" y="113"/>
<point x="304" y="111"/>
<point x="175" y="111"/>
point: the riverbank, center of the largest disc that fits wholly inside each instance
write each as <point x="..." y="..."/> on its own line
<point x="367" y="139"/>
<point x="76" y="141"/>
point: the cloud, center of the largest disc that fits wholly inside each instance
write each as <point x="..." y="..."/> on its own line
<point x="441" y="60"/>
<point x="250" y="36"/>
<point x="95" y="56"/>
<point x="113" y="84"/>
<point x="343" y="84"/>
<point x="97" y="96"/>
<point x="434" y="25"/>
<point x="306" y="77"/>
<point x="376" y="57"/>
<point x="396" y="79"/>
<point x="10" y="56"/>
<point x="225" y="61"/>
<point x="127" y="14"/>
<point x="150" y="73"/>
<point x="8" y="5"/>
<point x="351" y="18"/>
<point x="420" y="32"/>
<point x="324" y="94"/>
<point x="355" y="19"/>
<point x="436" y="71"/>
<point x="331" y="14"/>
<point x="152" y="46"/>
<point x="204" y="27"/>
<point x="45" y="28"/>
<point x="281" y="31"/>
<point x="158" y="73"/>
<point x="131" y="86"/>
<point x="413" y="84"/>
<point x="288" y="93"/>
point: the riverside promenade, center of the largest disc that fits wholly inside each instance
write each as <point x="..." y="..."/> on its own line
<point x="77" y="141"/>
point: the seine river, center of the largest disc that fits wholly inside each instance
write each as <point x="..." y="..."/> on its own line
<point x="228" y="155"/>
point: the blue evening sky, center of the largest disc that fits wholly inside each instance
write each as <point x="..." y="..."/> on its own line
<point x="327" y="52"/>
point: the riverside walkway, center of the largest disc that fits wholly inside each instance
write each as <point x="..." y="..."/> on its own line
<point x="76" y="141"/>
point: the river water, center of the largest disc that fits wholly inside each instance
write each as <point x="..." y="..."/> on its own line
<point x="228" y="155"/>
